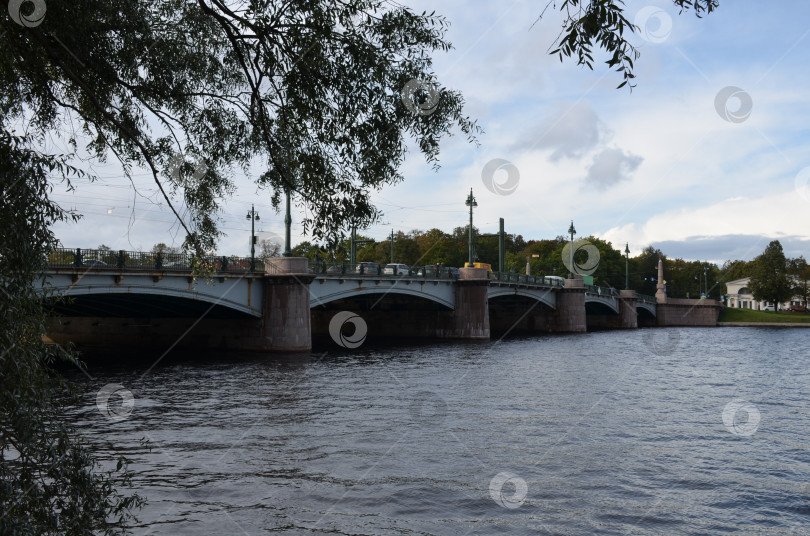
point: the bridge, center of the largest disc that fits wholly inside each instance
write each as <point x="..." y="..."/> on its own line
<point x="282" y="303"/>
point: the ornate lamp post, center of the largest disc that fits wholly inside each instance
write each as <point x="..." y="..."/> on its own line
<point x="287" y="224"/>
<point x="572" y="231"/>
<point x="705" y="281"/>
<point x="471" y="203"/>
<point x="626" y="266"/>
<point x="253" y="217"/>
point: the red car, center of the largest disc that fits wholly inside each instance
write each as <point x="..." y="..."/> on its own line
<point x="798" y="308"/>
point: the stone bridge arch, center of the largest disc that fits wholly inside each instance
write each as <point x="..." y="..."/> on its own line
<point x="324" y="291"/>
<point x="242" y="294"/>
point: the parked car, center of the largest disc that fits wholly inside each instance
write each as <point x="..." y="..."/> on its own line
<point x="798" y="308"/>
<point x="431" y="270"/>
<point x="179" y="265"/>
<point x="768" y="308"/>
<point x="334" y="269"/>
<point x="396" y="269"/>
<point x="94" y="263"/>
<point x="436" y="270"/>
<point x="366" y="267"/>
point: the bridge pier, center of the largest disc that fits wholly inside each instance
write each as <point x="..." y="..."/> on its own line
<point x="628" y="314"/>
<point x="286" y="324"/>
<point x="470" y="318"/>
<point x="680" y="312"/>
<point x="570" y="313"/>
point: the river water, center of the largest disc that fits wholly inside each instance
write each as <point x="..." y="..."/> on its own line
<point x="666" y="431"/>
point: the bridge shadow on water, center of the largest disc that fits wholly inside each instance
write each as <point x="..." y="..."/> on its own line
<point x="324" y="349"/>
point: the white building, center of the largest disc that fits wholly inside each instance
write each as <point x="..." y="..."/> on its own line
<point x="739" y="295"/>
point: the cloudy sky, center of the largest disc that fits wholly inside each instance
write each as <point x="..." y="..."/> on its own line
<point x="707" y="158"/>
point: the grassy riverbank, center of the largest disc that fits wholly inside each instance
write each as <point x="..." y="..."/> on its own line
<point x="747" y="315"/>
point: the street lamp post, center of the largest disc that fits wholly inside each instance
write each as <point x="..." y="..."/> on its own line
<point x="471" y="203"/>
<point x="705" y="281"/>
<point x="392" y="246"/>
<point x="353" y="247"/>
<point x="287" y="224"/>
<point x="627" y="266"/>
<point x="571" y="231"/>
<point x="253" y="217"/>
<point x="501" y="248"/>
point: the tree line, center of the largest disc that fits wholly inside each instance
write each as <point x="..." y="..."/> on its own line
<point x="774" y="277"/>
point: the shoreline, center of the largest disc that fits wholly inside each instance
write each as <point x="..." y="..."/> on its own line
<point x="763" y="324"/>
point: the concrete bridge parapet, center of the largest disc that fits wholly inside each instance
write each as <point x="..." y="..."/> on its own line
<point x="681" y="312"/>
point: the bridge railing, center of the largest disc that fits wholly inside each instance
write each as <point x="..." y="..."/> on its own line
<point x="374" y="269"/>
<point x="105" y="260"/>
<point x="509" y="277"/>
<point x="602" y="291"/>
<point x="646" y="299"/>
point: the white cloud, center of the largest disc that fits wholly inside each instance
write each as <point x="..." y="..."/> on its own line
<point x="571" y="131"/>
<point x="611" y="166"/>
<point x="780" y="214"/>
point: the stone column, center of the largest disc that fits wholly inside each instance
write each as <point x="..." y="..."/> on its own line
<point x="628" y="314"/>
<point x="286" y="324"/>
<point x="660" y="293"/>
<point x="471" y="314"/>
<point x="570" y="314"/>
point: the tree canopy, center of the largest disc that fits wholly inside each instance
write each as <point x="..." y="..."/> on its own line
<point x="49" y="482"/>
<point x="799" y="270"/>
<point x="601" y="24"/>
<point x="326" y="94"/>
<point x="769" y="277"/>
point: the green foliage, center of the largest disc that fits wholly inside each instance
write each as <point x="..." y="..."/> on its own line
<point x="769" y="278"/>
<point x="49" y="484"/>
<point x="191" y="90"/>
<point x="733" y="270"/>
<point x="602" y="24"/>
<point x="799" y="270"/>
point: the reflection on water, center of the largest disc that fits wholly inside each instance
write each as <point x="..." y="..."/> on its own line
<point x="569" y="434"/>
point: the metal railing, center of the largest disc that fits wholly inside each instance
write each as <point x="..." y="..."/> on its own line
<point x="105" y="260"/>
<point x="374" y="269"/>
<point x="602" y="291"/>
<point x="510" y="277"/>
<point x="646" y="299"/>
